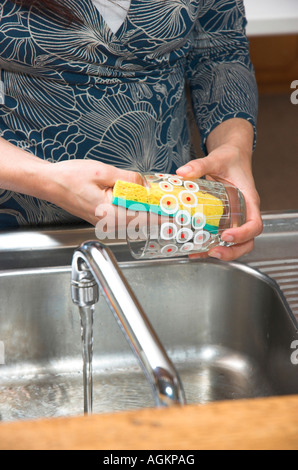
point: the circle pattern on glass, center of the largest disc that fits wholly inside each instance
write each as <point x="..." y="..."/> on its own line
<point x="151" y="254"/>
<point x="188" y="199"/>
<point x="187" y="247"/>
<point x="191" y="186"/>
<point x="184" y="235"/>
<point x="169" y="250"/>
<point x="201" y="237"/>
<point x="152" y="178"/>
<point x="166" y="186"/>
<point x="169" y="204"/>
<point x="198" y="220"/>
<point x="153" y="247"/>
<point x="175" y="181"/>
<point x="183" y="218"/>
<point x="168" y="231"/>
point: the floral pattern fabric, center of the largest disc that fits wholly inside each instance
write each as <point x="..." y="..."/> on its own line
<point x="82" y="91"/>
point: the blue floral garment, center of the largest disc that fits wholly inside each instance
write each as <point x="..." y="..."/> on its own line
<point x="81" y="91"/>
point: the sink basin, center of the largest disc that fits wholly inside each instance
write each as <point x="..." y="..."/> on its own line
<point x="226" y="327"/>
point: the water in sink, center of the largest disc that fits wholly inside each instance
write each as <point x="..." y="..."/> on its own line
<point x="226" y="328"/>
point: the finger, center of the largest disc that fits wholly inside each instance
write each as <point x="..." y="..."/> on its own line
<point x="226" y="253"/>
<point x="107" y="175"/>
<point x="246" y="232"/>
<point x="252" y="228"/>
<point x="233" y="252"/>
<point x="200" y="167"/>
<point x="203" y="255"/>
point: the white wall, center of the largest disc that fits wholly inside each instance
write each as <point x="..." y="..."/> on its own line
<point x="271" y="17"/>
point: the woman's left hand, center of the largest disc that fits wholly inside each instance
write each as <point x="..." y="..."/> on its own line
<point x="227" y="163"/>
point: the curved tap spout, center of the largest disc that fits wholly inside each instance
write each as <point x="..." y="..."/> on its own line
<point x="94" y="265"/>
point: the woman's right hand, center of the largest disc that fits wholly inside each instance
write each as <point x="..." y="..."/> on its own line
<point x="81" y="186"/>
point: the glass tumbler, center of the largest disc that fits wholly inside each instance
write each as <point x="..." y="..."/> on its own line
<point x="183" y="216"/>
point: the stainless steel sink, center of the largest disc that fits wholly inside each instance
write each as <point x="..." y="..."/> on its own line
<point x="226" y="327"/>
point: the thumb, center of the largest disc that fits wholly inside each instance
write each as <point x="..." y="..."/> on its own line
<point x="108" y="175"/>
<point x="200" y="167"/>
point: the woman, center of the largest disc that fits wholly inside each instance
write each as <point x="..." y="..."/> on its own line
<point x="94" y="91"/>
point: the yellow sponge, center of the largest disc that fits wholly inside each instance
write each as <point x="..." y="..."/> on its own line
<point x="130" y="192"/>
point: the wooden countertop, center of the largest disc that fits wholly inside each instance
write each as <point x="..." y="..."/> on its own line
<point x="258" y="424"/>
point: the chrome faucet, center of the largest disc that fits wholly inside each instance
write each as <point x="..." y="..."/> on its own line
<point x="94" y="266"/>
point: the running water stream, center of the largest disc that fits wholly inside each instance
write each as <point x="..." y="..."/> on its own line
<point x="86" y="314"/>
